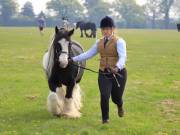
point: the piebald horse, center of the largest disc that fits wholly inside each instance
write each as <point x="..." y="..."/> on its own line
<point x="63" y="78"/>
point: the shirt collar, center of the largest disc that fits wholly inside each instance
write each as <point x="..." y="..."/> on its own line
<point x="110" y="37"/>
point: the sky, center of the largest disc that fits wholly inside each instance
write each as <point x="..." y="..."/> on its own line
<point x="40" y="5"/>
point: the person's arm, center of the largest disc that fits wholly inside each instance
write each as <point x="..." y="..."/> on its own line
<point x="88" y="54"/>
<point x="121" y="49"/>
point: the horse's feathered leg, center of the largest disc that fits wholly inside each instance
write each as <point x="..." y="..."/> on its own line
<point x="53" y="104"/>
<point x="70" y="108"/>
<point x="77" y="96"/>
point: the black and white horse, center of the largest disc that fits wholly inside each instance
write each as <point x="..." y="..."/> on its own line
<point x="87" y="26"/>
<point x="63" y="77"/>
<point x="178" y="27"/>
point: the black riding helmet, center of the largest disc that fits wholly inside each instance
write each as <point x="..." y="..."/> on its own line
<point x="107" y="22"/>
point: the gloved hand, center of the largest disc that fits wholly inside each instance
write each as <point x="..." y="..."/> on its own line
<point x="115" y="70"/>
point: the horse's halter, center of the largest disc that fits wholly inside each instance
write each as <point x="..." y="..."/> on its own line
<point x="62" y="46"/>
<point x="58" y="53"/>
<point x="63" y="55"/>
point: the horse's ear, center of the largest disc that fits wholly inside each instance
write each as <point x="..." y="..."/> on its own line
<point x="56" y="30"/>
<point x="71" y="32"/>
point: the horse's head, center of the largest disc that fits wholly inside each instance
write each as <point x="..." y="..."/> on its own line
<point x="62" y="41"/>
<point x="78" y="24"/>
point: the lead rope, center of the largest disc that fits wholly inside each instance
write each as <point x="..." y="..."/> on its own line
<point x="114" y="75"/>
<point x="115" y="78"/>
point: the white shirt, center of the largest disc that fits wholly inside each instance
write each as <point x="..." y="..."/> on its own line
<point x="121" y="49"/>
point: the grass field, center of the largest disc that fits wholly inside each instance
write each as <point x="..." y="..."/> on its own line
<point x="152" y="95"/>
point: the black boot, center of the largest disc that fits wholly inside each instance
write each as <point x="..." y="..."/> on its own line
<point x="120" y="111"/>
<point x="105" y="121"/>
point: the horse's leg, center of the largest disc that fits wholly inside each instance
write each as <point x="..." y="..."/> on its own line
<point x="94" y="34"/>
<point x="81" y="33"/>
<point x="70" y="89"/>
<point x="85" y="33"/>
<point x="77" y="96"/>
<point x="61" y="92"/>
<point x="55" y="106"/>
<point x="70" y="109"/>
<point x="91" y="33"/>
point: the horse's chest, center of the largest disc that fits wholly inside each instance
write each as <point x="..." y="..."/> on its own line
<point x="66" y="78"/>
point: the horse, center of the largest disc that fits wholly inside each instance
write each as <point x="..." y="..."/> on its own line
<point x="87" y="26"/>
<point x="178" y="27"/>
<point x="63" y="77"/>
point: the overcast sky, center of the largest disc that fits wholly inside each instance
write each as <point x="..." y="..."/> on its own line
<point x="40" y="5"/>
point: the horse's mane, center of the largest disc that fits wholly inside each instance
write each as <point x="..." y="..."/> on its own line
<point x="50" y="57"/>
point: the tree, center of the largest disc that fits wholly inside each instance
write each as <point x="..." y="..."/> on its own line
<point x="66" y="8"/>
<point x="90" y="3"/>
<point x="28" y="10"/>
<point x="177" y="9"/>
<point x="97" y="9"/>
<point x="165" y="9"/>
<point x="8" y="8"/>
<point x="152" y="9"/>
<point x="132" y="13"/>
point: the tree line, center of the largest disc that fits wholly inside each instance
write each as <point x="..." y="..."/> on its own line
<point x="162" y="14"/>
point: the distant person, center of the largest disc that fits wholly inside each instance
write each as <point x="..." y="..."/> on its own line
<point x="65" y="22"/>
<point x="112" y="71"/>
<point x="41" y="24"/>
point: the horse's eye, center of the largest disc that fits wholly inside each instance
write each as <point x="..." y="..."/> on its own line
<point x="58" y="49"/>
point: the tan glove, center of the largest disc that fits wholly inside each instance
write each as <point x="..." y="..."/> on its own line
<point x="115" y="70"/>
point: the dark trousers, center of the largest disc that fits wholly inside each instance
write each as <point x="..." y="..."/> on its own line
<point x="109" y="87"/>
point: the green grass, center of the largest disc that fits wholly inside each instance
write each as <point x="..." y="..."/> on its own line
<point x="152" y="95"/>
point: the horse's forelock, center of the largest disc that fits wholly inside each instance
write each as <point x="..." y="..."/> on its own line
<point x="61" y="34"/>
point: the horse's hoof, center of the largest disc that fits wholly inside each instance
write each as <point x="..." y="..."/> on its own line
<point x="57" y="115"/>
<point x="72" y="116"/>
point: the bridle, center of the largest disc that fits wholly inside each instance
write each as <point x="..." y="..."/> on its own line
<point x="64" y="52"/>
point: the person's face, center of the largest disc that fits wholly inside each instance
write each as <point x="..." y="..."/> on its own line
<point x="107" y="32"/>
